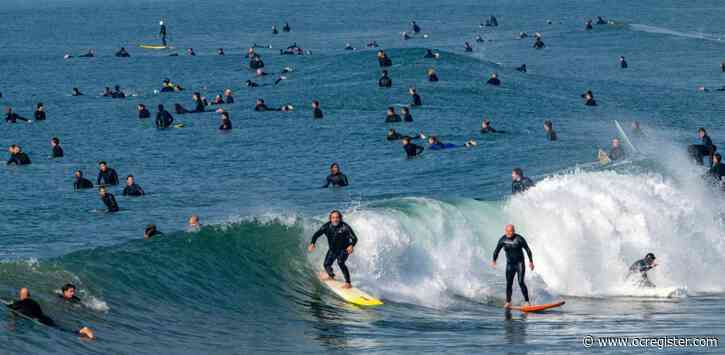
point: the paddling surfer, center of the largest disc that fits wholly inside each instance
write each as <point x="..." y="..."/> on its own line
<point x="341" y="239"/>
<point x="514" y="245"/>
<point x="31" y="309"/>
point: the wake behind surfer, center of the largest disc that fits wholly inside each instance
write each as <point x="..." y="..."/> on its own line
<point x="514" y="245"/>
<point x="341" y="239"/>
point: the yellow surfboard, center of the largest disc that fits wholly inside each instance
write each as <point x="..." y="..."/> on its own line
<point x="151" y="46"/>
<point x="352" y="295"/>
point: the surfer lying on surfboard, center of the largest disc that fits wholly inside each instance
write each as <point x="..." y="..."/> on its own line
<point x="341" y="239"/>
<point x="27" y="307"/>
<point x="514" y="245"/>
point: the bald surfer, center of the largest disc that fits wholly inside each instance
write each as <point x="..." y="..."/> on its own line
<point x="513" y="245"/>
<point x="341" y="240"/>
<point x="28" y="307"/>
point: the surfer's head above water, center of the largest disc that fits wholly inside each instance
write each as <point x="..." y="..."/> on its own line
<point x="68" y="291"/>
<point x="335" y="216"/>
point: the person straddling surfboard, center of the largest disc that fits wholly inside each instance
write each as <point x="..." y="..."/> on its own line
<point x="514" y="244"/>
<point x="341" y="239"/>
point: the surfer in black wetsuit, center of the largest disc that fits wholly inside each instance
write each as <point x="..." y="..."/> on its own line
<point x="76" y="92"/>
<point x="383" y="59"/>
<point x="226" y="122"/>
<point x="429" y="54"/>
<point x="286" y="27"/>
<point x="416" y="98"/>
<point x="106" y="175"/>
<point x="405" y="114"/>
<point x="494" y="80"/>
<point x="467" y="47"/>
<point x="640" y="267"/>
<point x="385" y="81"/>
<point x="522" y="68"/>
<point x="163" y="118"/>
<point x="81" y="182"/>
<point x="12" y="117"/>
<point x="717" y="170"/>
<point x="57" y="149"/>
<point x="17" y="156"/>
<point x="486" y="127"/>
<point x="589" y="98"/>
<point x="514" y="245"/>
<point x="623" y="63"/>
<point x="143" y="112"/>
<point x="700" y="151"/>
<point x="341" y="239"/>
<point x="392" y="116"/>
<point x="151" y="231"/>
<point x="122" y="53"/>
<point x="316" y="111"/>
<point x="132" y="188"/>
<point x="336" y="177"/>
<point x="549" y="129"/>
<point x="39" y="113"/>
<point x="68" y="293"/>
<point x="411" y="149"/>
<point x="31" y="309"/>
<point x="432" y="76"/>
<point x="519" y="182"/>
<point x="162" y="32"/>
<point x="108" y="199"/>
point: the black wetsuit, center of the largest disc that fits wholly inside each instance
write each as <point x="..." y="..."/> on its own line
<point x="226" y="125"/>
<point x="392" y="118"/>
<point x="144" y="113"/>
<point x="717" y="171"/>
<point x="57" y="152"/>
<point x="641" y="267"/>
<point x="164" y="119"/>
<point x="590" y="102"/>
<point x="514" y="248"/>
<point x="108" y="177"/>
<point x="616" y="154"/>
<point x="494" y="82"/>
<point x="110" y="202"/>
<point x="82" y="183"/>
<point x="13" y="117"/>
<point x="264" y="107"/>
<point x="200" y="106"/>
<point x="385" y="62"/>
<point x="699" y="151"/>
<point x="539" y="44"/>
<point x="73" y="299"/>
<point x="412" y="150"/>
<point x="522" y="68"/>
<point x="623" y="64"/>
<point x="407" y="117"/>
<point x="385" y="82"/>
<point x="31" y="309"/>
<point x="488" y="129"/>
<point x="317" y="113"/>
<point x="521" y="185"/>
<point x="394" y="137"/>
<point x="229" y="99"/>
<point x="338" y="239"/>
<point x="416" y="100"/>
<point x="336" y="180"/>
<point x="433" y="77"/>
<point x="133" y="190"/>
<point x="19" y="159"/>
<point x="429" y="54"/>
<point x="551" y="135"/>
<point x="39" y="115"/>
<point x="162" y="32"/>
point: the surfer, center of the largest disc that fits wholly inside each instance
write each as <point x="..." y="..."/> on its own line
<point x="81" y="182"/>
<point x="717" y="170"/>
<point x="90" y="54"/>
<point x="494" y="80"/>
<point x="57" y="149"/>
<point x="143" y="112"/>
<point x="588" y="25"/>
<point x="467" y="47"/>
<point x="700" y="151"/>
<point x="392" y="116"/>
<point x="163" y="117"/>
<point x="549" y="129"/>
<point x="17" y="156"/>
<point x="39" y="113"/>
<point x="405" y="113"/>
<point x="76" y="92"/>
<point x="228" y="96"/>
<point x="106" y="175"/>
<point x="31" y="309"/>
<point x="589" y="98"/>
<point x="522" y="68"/>
<point x="411" y="149"/>
<point x="336" y="177"/>
<point x="416" y="98"/>
<point x="432" y="76"/>
<point x="341" y="241"/>
<point x="151" y="231"/>
<point x="122" y="53"/>
<point x="616" y="152"/>
<point x="383" y="59"/>
<point x="12" y="117"/>
<point x="117" y="93"/>
<point x="286" y="27"/>
<point x="519" y="182"/>
<point x="637" y="130"/>
<point x="162" y="32"/>
<point x="415" y="27"/>
<point x="226" y="121"/>
<point x="429" y="54"/>
<point x="623" y="63"/>
<point x="132" y="188"/>
<point x="435" y="144"/>
<point x="514" y="245"/>
<point x="385" y="81"/>
<point x="190" y="51"/>
<point x="316" y="111"/>
<point x="486" y="127"/>
<point x="68" y="293"/>
<point x="220" y="51"/>
<point x="479" y="39"/>
<point x="641" y="267"/>
<point x="108" y="199"/>
<point x="538" y="42"/>
<point x="193" y="223"/>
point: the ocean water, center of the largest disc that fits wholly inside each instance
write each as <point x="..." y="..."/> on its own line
<point x="244" y="284"/>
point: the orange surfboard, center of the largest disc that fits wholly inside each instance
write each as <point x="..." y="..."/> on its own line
<point x="538" y="307"/>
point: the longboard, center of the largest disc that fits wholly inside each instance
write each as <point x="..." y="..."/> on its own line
<point x="352" y="295"/>
<point x="153" y="46"/>
<point x="538" y="307"/>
